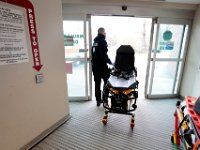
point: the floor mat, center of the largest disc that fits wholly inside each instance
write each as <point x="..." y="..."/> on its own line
<point x="154" y="123"/>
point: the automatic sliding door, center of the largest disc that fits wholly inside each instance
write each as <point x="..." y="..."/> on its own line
<point x="167" y="56"/>
<point x="76" y="56"/>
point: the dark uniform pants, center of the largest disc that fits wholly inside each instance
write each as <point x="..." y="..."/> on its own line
<point x="99" y="73"/>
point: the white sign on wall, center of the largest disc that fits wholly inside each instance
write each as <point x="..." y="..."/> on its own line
<point x="13" y="46"/>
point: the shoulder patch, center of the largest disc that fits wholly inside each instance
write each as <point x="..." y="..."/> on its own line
<point x="95" y="44"/>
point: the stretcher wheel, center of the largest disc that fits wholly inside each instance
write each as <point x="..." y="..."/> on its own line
<point x="106" y="112"/>
<point x="105" y="117"/>
<point x="132" y="125"/>
<point x="104" y="121"/>
<point x="175" y="139"/>
<point x="132" y="121"/>
<point x="172" y="139"/>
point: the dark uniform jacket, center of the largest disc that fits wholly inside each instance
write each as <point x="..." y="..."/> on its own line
<point x="100" y="58"/>
<point x="99" y="52"/>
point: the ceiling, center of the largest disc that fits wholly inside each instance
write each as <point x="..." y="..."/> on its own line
<point x="184" y="1"/>
<point x="193" y="2"/>
<point x="173" y="4"/>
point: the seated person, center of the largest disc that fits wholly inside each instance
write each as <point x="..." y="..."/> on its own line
<point x="125" y="61"/>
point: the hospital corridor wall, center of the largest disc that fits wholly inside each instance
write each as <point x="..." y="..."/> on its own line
<point x="191" y="75"/>
<point x="27" y="109"/>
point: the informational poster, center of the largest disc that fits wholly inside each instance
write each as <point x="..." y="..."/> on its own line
<point x="166" y="43"/>
<point x="68" y="40"/>
<point x="69" y="68"/>
<point x="13" y="44"/>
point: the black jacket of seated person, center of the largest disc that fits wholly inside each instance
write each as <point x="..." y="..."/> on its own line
<point x="99" y="64"/>
<point x="125" y="59"/>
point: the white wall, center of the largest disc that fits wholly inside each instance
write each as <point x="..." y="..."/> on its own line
<point x="26" y="108"/>
<point x="73" y="11"/>
<point x="191" y="79"/>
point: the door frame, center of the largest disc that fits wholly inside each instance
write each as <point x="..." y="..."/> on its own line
<point x="149" y="81"/>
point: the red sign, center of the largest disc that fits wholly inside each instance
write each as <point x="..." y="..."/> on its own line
<point x="32" y="29"/>
<point x="68" y="67"/>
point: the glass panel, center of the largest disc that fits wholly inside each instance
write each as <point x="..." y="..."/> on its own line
<point x="184" y="41"/>
<point x="169" y="41"/>
<point x="164" y="75"/>
<point x="73" y="39"/>
<point x="123" y="31"/>
<point x="88" y="73"/>
<point x="76" y="79"/>
<point x="178" y="77"/>
<point x="87" y="39"/>
<point x="154" y="40"/>
<point x="149" y="78"/>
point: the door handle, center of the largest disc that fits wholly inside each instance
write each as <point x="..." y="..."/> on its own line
<point x="89" y="59"/>
<point x="83" y="50"/>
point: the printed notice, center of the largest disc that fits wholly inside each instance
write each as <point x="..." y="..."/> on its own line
<point x="13" y="46"/>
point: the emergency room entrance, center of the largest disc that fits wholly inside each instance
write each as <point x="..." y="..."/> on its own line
<point x="78" y="38"/>
<point x="160" y="48"/>
<point x="126" y="30"/>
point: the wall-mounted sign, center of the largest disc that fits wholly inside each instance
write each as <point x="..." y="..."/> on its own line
<point x="165" y="42"/>
<point x="166" y="45"/>
<point x="13" y="46"/>
<point x="68" y="40"/>
<point x="73" y="40"/>
<point x="31" y="25"/>
<point x="167" y="35"/>
<point x="68" y="67"/>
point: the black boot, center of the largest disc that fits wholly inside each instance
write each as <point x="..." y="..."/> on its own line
<point x="98" y="98"/>
<point x="98" y="103"/>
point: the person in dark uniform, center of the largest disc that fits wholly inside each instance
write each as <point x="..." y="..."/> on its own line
<point x="99" y="62"/>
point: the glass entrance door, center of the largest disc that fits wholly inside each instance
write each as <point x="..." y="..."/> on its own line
<point x="77" y="58"/>
<point x="166" y="57"/>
